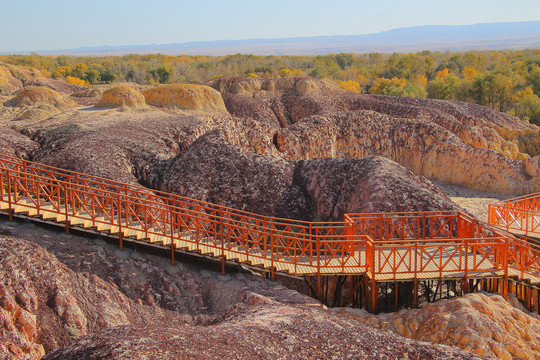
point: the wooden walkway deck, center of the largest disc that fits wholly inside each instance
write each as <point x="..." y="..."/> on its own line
<point x="385" y="247"/>
<point x="388" y="268"/>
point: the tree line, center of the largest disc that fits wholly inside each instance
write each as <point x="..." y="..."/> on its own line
<point x="507" y="81"/>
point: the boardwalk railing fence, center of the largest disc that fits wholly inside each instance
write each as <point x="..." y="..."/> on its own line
<point x="384" y="246"/>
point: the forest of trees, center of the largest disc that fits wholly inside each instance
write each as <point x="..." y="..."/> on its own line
<point x="508" y="81"/>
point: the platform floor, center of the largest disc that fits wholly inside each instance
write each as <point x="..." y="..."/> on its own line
<point x="253" y="256"/>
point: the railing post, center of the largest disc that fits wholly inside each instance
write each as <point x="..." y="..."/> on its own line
<point x="521" y="260"/>
<point x="25" y="178"/>
<point x="171" y="224"/>
<point x="318" y="246"/>
<point x="120" y="232"/>
<point x="526" y="213"/>
<point x="92" y="197"/>
<point x="415" y="296"/>
<point x="425" y="227"/>
<point x="223" y="258"/>
<point x="145" y="222"/>
<point x="172" y="234"/>
<point x="265" y="238"/>
<point x="505" y="284"/>
<point x="272" y="251"/>
<point x="460" y="226"/>
<point x="10" y="210"/>
<point x="381" y="227"/>
<point x="66" y="207"/>
<point x="466" y="272"/>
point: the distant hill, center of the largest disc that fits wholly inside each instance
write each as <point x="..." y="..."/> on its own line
<point x="491" y="36"/>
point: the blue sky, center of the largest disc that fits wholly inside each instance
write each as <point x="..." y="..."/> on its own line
<point x="61" y="24"/>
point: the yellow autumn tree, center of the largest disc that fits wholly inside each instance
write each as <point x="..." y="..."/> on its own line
<point x="520" y="95"/>
<point x="351" y="85"/>
<point x="384" y="86"/>
<point x="74" y="80"/>
<point x="469" y="73"/>
<point x="62" y="71"/>
<point x="443" y="74"/>
<point x="420" y="81"/>
<point x="79" y="70"/>
<point x="285" y="72"/>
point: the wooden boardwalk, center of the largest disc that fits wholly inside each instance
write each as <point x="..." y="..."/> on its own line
<point x="383" y="247"/>
<point x="394" y="262"/>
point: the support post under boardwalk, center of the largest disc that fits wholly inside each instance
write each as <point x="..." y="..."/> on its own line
<point x="366" y="292"/>
<point x="415" y="296"/>
<point x="172" y="253"/>
<point x="373" y="295"/>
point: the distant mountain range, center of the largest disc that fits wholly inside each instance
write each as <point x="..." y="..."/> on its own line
<point x="491" y="36"/>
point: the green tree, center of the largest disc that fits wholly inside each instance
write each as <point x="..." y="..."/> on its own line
<point x="392" y="87"/>
<point x="79" y="70"/>
<point x="493" y="89"/>
<point x="93" y="76"/>
<point x="108" y="76"/>
<point x="534" y="78"/>
<point x="344" y="60"/>
<point x="445" y="86"/>
<point x="528" y="106"/>
<point x="164" y="73"/>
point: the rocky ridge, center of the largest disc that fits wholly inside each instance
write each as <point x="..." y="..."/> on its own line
<point x="74" y="298"/>
<point x="475" y="130"/>
<point x="302" y="119"/>
<point x="15" y="77"/>
<point x="420" y="145"/>
<point x="314" y="189"/>
<point x="260" y="332"/>
<point x="484" y="324"/>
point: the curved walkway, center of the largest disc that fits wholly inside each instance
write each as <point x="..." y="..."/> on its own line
<point x="383" y="246"/>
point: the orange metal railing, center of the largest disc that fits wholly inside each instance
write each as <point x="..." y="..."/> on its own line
<point x="520" y="215"/>
<point x="383" y="245"/>
<point x="255" y="238"/>
<point x="430" y="244"/>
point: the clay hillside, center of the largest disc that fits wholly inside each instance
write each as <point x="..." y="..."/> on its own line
<point x="297" y="148"/>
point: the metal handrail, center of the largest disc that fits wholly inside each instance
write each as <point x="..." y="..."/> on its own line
<point x="315" y="246"/>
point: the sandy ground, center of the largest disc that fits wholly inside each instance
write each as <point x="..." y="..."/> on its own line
<point x="474" y="201"/>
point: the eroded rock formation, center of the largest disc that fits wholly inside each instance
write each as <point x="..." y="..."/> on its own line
<point x="483" y="324"/>
<point x="121" y="96"/>
<point x="15" y="77"/>
<point x="424" y="135"/>
<point x="265" y="332"/>
<point x="185" y="96"/>
<point x="335" y="187"/>
<point x="86" y="299"/>
<point x="55" y="289"/>
<point x="420" y="145"/>
<point x="32" y="96"/>
<point x="213" y="170"/>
